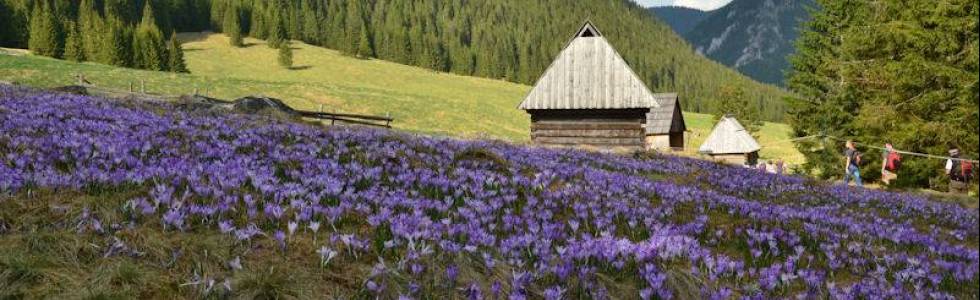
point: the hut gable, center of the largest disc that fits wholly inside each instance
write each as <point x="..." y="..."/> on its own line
<point x="589" y="74"/>
<point x="667" y="118"/>
<point x="729" y="137"/>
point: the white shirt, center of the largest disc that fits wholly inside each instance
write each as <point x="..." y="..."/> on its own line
<point x="949" y="165"/>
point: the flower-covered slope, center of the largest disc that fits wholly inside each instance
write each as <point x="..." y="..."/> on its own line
<point x="561" y="223"/>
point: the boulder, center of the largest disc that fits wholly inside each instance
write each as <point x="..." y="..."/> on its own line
<point x="72" y="89"/>
<point x="196" y="102"/>
<point x="260" y="104"/>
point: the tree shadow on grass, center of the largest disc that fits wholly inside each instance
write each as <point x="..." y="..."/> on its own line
<point x="298" y="68"/>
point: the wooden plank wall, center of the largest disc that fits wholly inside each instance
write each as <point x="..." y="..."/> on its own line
<point x="595" y="128"/>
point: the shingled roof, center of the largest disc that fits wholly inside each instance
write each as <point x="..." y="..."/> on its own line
<point x="589" y="74"/>
<point x="668" y="117"/>
<point x="729" y="137"/>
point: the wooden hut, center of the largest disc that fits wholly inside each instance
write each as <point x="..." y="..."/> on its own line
<point x="665" y="124"/>
<point x="729" y="142"/>
<point x="589" y="96"/>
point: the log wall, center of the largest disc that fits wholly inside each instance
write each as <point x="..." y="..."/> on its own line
<point x="607" y="129"/>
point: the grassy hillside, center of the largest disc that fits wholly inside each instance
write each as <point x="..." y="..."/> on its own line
<point x="419" y="99"/>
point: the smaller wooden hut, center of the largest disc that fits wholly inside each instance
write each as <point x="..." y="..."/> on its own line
<point x="665" y="125"/>
<point x="729" y="142"/>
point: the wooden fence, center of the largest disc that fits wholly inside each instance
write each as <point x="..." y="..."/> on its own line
<point x="368" y="120"/>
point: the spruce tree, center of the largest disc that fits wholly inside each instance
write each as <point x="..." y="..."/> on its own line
<point x="6" y="24"/>
<point x="285" y="55"/>
<point x="257" y="22"/>
<point x="232" y="26"/>
<point x="45" y="33"/>
<point x="74" y="49"/>
<point x="332" y="35"/>
<point x="275" y="38"/>
<point x="148" y="43"/>
<point x="364" y="49"/>
<point x="734" y="102"/>
<point x="175" y="55"/>
<point x="91" y="30"/>
<point x="311" y="23"/>
<point x="116" y="42"/>
<point x="276" y="31"/>
<point x="354" y="28"/>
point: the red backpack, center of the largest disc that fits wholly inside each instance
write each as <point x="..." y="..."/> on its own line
<point x="894" y="161"/>
<point x="966" y="170"/>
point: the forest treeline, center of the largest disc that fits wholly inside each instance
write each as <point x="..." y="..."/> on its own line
<point x="120" y="33"/>
<point x="513" y="40"/>
<point x="901" y="72"/>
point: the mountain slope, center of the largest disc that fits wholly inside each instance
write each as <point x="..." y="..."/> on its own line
<point x="753" y="36"/>
<point x="681" y="19"/>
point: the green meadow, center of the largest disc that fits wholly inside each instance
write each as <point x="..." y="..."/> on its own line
<point x="420" y="100"/>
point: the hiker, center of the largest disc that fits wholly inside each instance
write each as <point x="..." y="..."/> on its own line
<point x="851" y="168"/>
<point x="959" y="171"/>
<point x="770" y="167"/>
<point x="780" y="167"/>
<point x="761" y="167"/>
<point x="889" y="165"/>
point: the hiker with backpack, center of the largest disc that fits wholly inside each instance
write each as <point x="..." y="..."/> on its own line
<point x="852" y="167"/>
<point x="960" y="172"/>
<point x="889" y="166"/>
<point x="771" y="167"/>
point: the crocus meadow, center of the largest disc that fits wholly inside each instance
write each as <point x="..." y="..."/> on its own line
<point x="565" y="223"/>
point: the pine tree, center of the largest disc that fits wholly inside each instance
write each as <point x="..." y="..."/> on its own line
<point x="91" y="29"/>
<point x="333" y="36"/>
<point x="285" y="55"/>
<point x="232" y="26"/>
<point x="45" y="34"/>
<point x="277" y="34"/>
<point x="175" y="55"/>
<point x="257" y="22"/>
<point x="74" y="49"/>
<point x="116" y="42"/>
<point x="364" y="49"/>
<point x="311" y="23"/>
<point x="13" y="22"/>
<point x="354" y="28"/>
<point x="293" y="22"/>
<point x="734" y="102"/>
<point x="148" y="43"/>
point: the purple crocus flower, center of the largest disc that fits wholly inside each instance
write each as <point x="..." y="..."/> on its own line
<point x="451" y="272"/>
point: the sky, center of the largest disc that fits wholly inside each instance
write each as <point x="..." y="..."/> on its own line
<point x="698" y="4"/>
